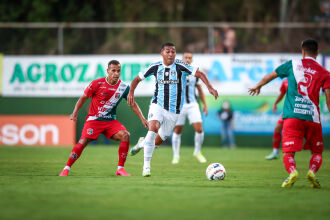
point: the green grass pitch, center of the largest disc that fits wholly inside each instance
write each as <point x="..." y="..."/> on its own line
<point x="30" y="187"/>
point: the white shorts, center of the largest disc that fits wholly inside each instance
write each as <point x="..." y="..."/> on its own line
<point x="166" y="119"/>
<point x="191" y="111"/>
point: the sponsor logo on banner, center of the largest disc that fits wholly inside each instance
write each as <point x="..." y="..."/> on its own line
<point x="37" y="130"/>
<point x="253" y="115"/>
<point x="67" y="76"/>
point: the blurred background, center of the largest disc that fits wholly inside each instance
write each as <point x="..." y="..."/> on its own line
<point x="51" y="50"/>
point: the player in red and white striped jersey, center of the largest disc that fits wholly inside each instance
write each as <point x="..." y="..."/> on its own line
<point x="106" y="93"/>
<point x="301" y="112"/>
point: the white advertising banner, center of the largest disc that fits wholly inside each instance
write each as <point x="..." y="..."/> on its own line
<point x="67" y="76"/>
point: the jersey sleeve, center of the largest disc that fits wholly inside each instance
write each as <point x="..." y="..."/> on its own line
<point x="185" y="67"/>
<point x="284" y="69"/>
<point x="326" y="84"/>
<point x="125" y="94"/>
<point x="284" y="86"/>
<point x="150" y="70"/>
<point x="89" y="91"/>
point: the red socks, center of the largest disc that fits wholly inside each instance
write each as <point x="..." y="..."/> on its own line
<point x="277" y="140"/>
<point x="75" y="154"/>
<point x="122" y="153"/>
<point x="315" y="162"/>
<point x="289" y="162"/>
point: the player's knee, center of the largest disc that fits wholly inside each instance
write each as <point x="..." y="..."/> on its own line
<point x="125" y="136"/>
<point x="158" y="140"/>
<point x="85" y="141"/>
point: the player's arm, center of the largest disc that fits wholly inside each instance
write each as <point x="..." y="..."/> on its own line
<point x="278" y="99"/>
<point x="130" y="96"/>
<point x="202" y="97"/>
<point x="78" y="106"/>
<point x="203" y="77"/>
<point x="136" y="109"/>
<point x="256" y="90"/>
<point x="327" y="97"/>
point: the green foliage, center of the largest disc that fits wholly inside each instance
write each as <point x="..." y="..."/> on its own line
<point x="97" y="41"/>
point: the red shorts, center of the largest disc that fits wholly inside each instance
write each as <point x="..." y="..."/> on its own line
<point x="280" y="120"/>
<point x="92" y="129"/>
<point x="294" y="132"/>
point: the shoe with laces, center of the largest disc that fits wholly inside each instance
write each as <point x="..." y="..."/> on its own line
<point x="64" y="172"/>
<point x="175" y="160"/>
<point x="200" y="157"/>
<point x="292" y="178"/>
<point x="122" y="172"/>
<point x="272" y="156"/>
<point x="146" y="172"/>
<point x="136" y="149"/>
<point x="313" y="180"/>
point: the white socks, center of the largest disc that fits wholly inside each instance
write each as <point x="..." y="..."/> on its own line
<point x="141" y="144"/>
<point x="67" y="167"/>
<point x="176" y="142"/>
<point x="275" y="150"/>
<point x="199" y="138"/>
<point x="149" y="146"/>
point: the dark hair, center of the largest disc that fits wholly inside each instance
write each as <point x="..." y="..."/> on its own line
<point x="113" y="62"/>
<point x="310" y="46"/>
<point x="187" y="51"/>
<point x="167" y="45"/>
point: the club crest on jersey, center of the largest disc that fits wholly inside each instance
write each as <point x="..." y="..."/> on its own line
<point x="166" y="73"/>
<point x="117" y="95"/>
<point x="173" y="73"/>
<point x="90" y="131"/>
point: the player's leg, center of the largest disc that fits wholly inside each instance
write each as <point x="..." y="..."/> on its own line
<point x="224" y="134"/>
<point x="149" y="146"/>
<point x="123" y="137"/>
<point x="276" y="141"/>
<point x="75" y="154"/>
<point x="165" y="129"/>
<point x="195" y="119"/>
<point x="176" y="136"/>
<point x="293" y="134"/>
<point x="314" y="165"/>
<point x="199" y="138"/>
<point x="91" y="130"/>
<point x="230" y="134"/>
<point x="314" y="142"/>
<point x="176" y="142"/>
<point x="290" y="166"/>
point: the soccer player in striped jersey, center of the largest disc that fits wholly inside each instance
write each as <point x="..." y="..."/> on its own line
<point x="277" y="136"/>
<point x="106" y="93"/>
<point x="191" y="110"/>
<point x="301" y="112"/>
<point x="167" y="101"/>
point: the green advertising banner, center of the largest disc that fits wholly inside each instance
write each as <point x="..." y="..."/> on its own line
<point x="253" y="114"/>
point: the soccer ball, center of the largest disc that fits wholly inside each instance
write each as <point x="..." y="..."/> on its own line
<point x="215" y="171"/>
